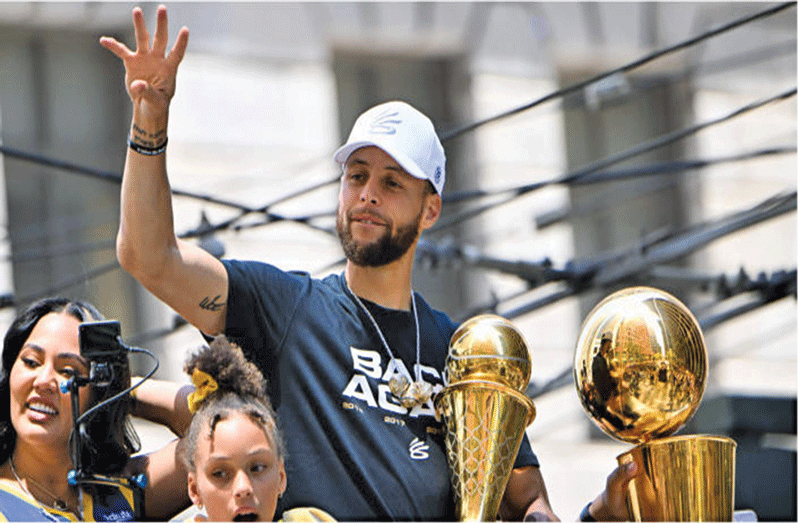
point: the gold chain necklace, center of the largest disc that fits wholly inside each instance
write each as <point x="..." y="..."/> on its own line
<point x="408" y="394"/>
<point x="58" y="503"/>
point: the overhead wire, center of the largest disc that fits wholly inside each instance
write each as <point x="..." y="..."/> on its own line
<point x="612" y="159"/>
<point x="606" y="269"/>
<point x="449" y="135"/>
<point x="582" y="173"/>
<point x="619" y="70"/>
<point x="245" y="209"/>
<point x="444" y="137"/>
<point x="780" y="285"/>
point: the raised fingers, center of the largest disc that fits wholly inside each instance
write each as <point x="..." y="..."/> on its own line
<point x="179" y="49"/>
<point x="142" y="36"/>
<point x="161" y="32"/>
<point x="116" y="47"/>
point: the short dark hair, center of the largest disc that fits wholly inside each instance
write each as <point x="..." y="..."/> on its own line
<point x="429" y="189"/>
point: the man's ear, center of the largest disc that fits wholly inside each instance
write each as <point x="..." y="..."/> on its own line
<point x="432" y="210"/>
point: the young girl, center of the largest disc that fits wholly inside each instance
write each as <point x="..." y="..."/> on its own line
<point x="233" y="451"/>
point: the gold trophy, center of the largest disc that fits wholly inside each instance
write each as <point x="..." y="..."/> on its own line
<point x="640" y="369"/>
<point x="485" y="411"/>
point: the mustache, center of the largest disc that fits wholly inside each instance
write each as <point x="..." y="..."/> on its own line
<point x="365" y="212"/>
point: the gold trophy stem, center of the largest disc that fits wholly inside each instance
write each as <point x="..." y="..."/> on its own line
<point x="485" y="423"/>
<point x="683" y="478"/>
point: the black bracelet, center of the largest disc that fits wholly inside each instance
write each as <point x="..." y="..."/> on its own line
<point x="585" y="514"/>
<point x="147" y="151"/>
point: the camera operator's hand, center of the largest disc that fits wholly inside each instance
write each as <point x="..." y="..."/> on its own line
<point x="150" y="74"/>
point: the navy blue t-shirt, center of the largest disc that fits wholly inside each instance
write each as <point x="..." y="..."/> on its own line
<point x="353" y="451"/>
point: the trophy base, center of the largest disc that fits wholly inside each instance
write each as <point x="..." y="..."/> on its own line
<point x="683" y="478"/>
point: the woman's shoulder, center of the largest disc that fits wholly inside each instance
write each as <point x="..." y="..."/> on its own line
<point x="18" y="505"/>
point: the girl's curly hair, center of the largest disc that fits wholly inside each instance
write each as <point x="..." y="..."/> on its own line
<point x="241" y="388"/>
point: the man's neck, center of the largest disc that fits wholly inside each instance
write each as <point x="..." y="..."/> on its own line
<point x="387" y="285"/>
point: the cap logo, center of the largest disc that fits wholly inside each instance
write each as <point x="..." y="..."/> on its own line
<point x="384" y="123"/>
<point x="437" y="175"/>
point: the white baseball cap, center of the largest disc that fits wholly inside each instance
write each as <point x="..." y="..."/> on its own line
<point x="406" y="134"/>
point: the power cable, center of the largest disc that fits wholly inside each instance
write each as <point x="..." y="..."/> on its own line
<point x="552" y="217"/>
<point x="71" y="249"/>
<point x="694" y="72"/>
<point x="103" y="175"/>
<point x="623" y="69"/>
<point x="77" y="280"/>
<point x="653" y="169"/>
<point x="116" y="178"/>
<point x="782" y="286"/>
<point x="607" y="269"/>
<point x="70" y="167"/>
<point x="572" y="176"/>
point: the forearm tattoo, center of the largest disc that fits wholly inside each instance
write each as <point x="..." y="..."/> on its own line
<point x="212" y="305"/>
<point x="147" y="139"/>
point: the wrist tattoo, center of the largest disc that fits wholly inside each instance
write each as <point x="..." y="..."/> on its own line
<point x="147" y="139"/>
<point x="211" y="304"/>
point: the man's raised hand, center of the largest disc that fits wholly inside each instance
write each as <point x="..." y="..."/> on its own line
<point x="150" y="73"/>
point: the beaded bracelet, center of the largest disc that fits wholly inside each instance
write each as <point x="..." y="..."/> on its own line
<point x="147" y="151"/>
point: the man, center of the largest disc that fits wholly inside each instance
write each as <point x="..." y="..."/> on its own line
<point x="351" y="360"/>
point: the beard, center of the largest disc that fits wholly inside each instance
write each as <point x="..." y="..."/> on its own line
<point x="386" y="249"/>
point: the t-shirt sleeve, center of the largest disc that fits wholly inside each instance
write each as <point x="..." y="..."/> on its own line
<point x="261" y="301"/>
<point x="526" y="456"/>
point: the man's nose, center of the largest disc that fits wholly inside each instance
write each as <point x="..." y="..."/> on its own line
<point x="369" y="192"/>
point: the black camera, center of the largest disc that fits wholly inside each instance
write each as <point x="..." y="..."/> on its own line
<point x="101" y="344"/>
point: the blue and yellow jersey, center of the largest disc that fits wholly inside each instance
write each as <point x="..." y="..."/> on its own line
<point x="106" y="501"/>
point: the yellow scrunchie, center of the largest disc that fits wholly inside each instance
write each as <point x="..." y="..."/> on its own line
<point x="205" y="385"/>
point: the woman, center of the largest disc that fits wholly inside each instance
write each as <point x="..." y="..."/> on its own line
<point x="41" y="352"/>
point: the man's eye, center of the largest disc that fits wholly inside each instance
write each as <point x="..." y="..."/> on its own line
<point x="258" y="468"/>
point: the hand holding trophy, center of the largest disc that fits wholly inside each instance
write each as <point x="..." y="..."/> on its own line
<point x="485" y="411"/>
<point x="640" y="369"/>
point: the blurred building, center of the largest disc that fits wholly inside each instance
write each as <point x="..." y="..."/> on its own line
<point x="267" y="91"/>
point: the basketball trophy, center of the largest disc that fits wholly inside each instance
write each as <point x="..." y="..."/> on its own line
<point x="485" y="411"/>
<point x="640" y="369"/>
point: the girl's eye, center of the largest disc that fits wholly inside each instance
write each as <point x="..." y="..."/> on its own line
<point x="219" y="474"/>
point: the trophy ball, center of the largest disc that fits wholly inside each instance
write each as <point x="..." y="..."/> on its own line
<point x="489" y="348"/>
<point x="640" y="364"/>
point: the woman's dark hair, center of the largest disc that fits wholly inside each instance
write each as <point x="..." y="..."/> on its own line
<point x="241" y="388"/>
<point x="108" y="438"/>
